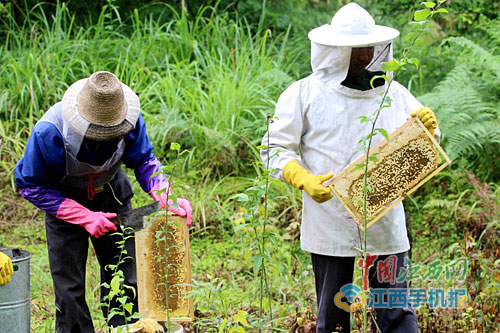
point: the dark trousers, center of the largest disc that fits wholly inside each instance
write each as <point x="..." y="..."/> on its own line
<point x="68" y="246"/>
<point x="332" y="273"/>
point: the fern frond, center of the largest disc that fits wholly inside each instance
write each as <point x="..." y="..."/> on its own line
<point x="469" y="122"/>
<point x="481" y="55"/>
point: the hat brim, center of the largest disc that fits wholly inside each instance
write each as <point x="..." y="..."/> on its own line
<point x="93" y="131"/>
<point x="325" y="35"/>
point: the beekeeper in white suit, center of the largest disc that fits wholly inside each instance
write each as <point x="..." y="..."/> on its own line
<point x="319" y="117"/>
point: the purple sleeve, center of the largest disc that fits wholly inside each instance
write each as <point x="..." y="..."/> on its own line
<point x="46" y="198"/>
<point x="144" y="171"/>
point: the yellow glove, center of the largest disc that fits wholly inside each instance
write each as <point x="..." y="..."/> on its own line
<point x="427" y="117"/>
<point x="6" y="269"/>
<point x="300" y="178"/>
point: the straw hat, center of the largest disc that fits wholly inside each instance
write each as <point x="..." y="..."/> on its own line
<point x="100" y="107"/>
<point x="352" y="26"/>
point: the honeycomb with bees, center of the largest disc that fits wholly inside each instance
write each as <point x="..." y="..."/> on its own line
<point x="163" y="269"/>
<point x="396" y="168"/>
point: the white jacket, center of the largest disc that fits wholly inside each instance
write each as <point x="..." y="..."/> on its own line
<point x="318" y="125"/>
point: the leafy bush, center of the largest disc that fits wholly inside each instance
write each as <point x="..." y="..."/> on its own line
<point x="467" y="103"/>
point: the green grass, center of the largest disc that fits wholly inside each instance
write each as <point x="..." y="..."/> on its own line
<point x="211" y="79"/>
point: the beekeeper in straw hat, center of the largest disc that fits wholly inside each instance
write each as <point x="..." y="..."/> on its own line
<point x="71" y="169"/>
<point x="319" y="117"/>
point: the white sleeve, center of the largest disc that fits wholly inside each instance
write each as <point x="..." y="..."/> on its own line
<point x="285" y="132"/>
<point x="413" y="104"/>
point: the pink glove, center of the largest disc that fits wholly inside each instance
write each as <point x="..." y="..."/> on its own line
<point x="184" y="208"/>
<point x="96" y="223"/>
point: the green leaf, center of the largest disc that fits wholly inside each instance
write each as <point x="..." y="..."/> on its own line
<point x="391" y="66"/>
<point x="223" y="325"/>
<point x="441" y="10"/>
<point x="128" y="307"/>
<point x="358" y="166"/>
<point x="136" y="315"/>
<point x="240" y="226"/>
<point x="238" y="329"/>
<point x="429" y="4"/>
<point x="168" y="168"/>
<point x="261" y="147"/>
<point x="366" y="189"/>
<point x="363" y="119"/>
<point x="241" y="318"/>
<point x="414" y="61"/>
<point x="371" y="135"/>
<point x="378" y="77"/>
<point x="115" y="284"/>
<point x="112" y="313"/>
<point x="411" y="35"/>
<point x="175" y="146"/>
<point x="383" y="132"/>
<point x="242" y="197"/>
<point x="256" y="264"/>
<point x="421" y="15"/>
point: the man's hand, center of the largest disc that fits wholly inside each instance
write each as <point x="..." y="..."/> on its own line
<point x="183" y="209"/>
<point x="427" y="117"/>
<point x="300" y="178"/>
<point x="98" y="223"/>
<point x="6" y="269"/>
<point x="159" y="193"/>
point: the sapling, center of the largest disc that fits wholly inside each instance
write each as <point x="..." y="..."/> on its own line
<point x="117" y="288"/>
<point x="166" y="235"/>
<point x="421" y="17"/>
<point x="258" y="219"/>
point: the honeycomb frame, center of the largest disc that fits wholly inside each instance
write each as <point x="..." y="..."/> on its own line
<point x="392" y="177"/>
<point x="152" y="267"/>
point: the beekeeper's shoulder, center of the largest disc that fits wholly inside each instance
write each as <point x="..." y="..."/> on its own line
<point x="298" y="90"/>
<point x="402" y="94"/>
<point x="397" y="89"/>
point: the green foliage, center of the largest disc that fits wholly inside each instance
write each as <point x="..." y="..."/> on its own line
<point x="463" y="14"/>
<point x="119" y="298"/>
<point x="455" y="206"/>
<point x="467" y="104"/>
<point x="207" y="80"/>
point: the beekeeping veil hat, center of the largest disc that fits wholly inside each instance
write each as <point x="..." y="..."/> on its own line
<point x="352" y="26"/>
<point x="331" y="44"/>
<point x="100" y="107"/>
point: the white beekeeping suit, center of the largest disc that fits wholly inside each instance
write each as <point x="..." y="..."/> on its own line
<point x="318" y="125"/>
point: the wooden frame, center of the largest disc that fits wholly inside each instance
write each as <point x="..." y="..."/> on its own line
<point x="152" y="303"/>
<point x="418" y="133"/>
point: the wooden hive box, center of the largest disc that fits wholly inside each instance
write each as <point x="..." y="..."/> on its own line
<point x="152" y="268"/>
<point x="410" y="158"/>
